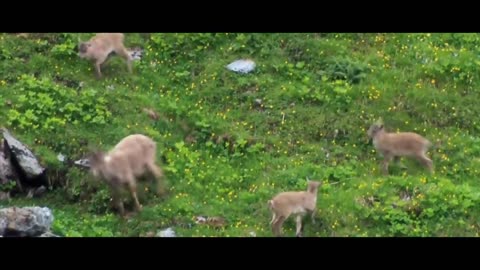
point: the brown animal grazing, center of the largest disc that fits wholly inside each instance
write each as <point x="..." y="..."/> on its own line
<point x="396" y="145"/>
<point x="101" y="46"/>
<point x="131" y="158"/>
<point x="298" y="203"/>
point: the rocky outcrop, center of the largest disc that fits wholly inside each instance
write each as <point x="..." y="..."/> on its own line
<point x="26" y="221"/>
<point x="21" y="162"/>
<point x="6" y="170"/>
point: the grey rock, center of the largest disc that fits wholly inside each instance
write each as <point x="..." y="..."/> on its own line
<point x="25" y="221"/>
<point x="169" y="232"/>
<point x="6" y="170"/>
<point x="61" y="157"/>
<point x="27" y="161"/>
<point x="242" y="66"/>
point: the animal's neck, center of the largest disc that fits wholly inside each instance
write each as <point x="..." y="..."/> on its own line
<point x="379" y="136"/>
<point x="107" y="158"/>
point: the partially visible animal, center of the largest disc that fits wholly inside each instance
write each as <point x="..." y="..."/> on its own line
<point x="133" y="157"/>
<point x="217" y="222"/>
<point x="151" y="113"/>
<point x="297" y="203"/>
<point x="396" y="145"/>
<point x="101" y="46"/>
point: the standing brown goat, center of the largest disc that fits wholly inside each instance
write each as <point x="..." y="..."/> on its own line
<point x="131" y="158"/>
<point x="293" y="202"/>
<point x="396" y="145"/>
<point x="101" y="46"/>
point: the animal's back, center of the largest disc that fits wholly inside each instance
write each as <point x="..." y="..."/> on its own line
<point x="135" y="142"/>
<point x="109" y="37"/>
<point x="289" y="201"/>
<point x="408" y="142"/>
<point x="110" y="42"/>
<point x="135" y="148"/>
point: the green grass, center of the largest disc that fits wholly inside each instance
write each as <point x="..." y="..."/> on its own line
<point x="319" y="92"/>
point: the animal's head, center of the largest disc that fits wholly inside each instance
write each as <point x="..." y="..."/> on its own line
<point x="313" y="185"/>
<point x="83" y="48"/>
<point x="374" y="129"/>
<point x="95" y="161"/>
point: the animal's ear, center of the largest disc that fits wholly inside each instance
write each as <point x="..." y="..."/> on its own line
<point x="381" y="126"/>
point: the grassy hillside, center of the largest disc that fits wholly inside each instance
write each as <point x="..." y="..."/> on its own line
<point x="225" y="153"/>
